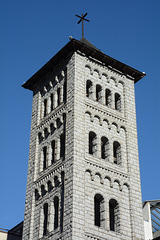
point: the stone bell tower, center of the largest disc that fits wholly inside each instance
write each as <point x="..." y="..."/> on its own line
<point x="83" y="173"/>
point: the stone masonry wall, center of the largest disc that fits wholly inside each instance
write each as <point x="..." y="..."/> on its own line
<point x="41" y="135"/>
<point x="77" y="178"/>
<point x="94" y="175"/>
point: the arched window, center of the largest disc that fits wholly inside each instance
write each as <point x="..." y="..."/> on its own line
<point x="43" y="191"/>
<point x="58" y="96"/>
<point x="50" y="187"/>
<point x="108" y="98"/>
<point x="40" y="138"/>
<point x="46" y="134"/>
<point x="45" y="107"/>
<point x="62" y="145"/>
<point x="104" y="148"/>
<point x="64" y="119"/>
<point x="56" y="212"/>
<point x="92" y="143"/>
<point x="52" y="128"/>
<point x="116" y="153"/>
<point x="44" y="158"/>
<point x="117" y="102"/>
<point x="99" y="211"/>
<point x="36" y="194"/>
<point x="53" y="151"/>
<point x="56" y="181"/>
<point x="45" y="223"/>
<point x="114" y="215"/>
<point x="88" y="88"/>
<point x="98" y="93"/>
<point x="58" y="122"/>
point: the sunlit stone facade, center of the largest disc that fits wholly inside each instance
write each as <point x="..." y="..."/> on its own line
<point x="83" y="173"/>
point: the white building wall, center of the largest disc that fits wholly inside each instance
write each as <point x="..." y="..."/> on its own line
<point x="147" y="222"/>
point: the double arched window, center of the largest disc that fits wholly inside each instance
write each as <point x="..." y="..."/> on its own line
<point x="45" y="217"/>
<point x="99" y="213"/>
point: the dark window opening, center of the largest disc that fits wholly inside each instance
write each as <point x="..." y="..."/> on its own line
<point x="62" y="201"/>
<point x="45" y="230"/>
<point x="56" y="181"/>
<point x="98" y="93"/>
<point x="50" y="187"/>
<point x="98" y="210"/>
<point x="116" y="153"/>
<point x="45" y="107"/>
<point x="52" y="102"/>
<point x="104" y="148"/>
<point x="64" y="118"/>
<point x="52" y="128"/>
<point x="53" y="151"/>
<point x="88" y="88"/>
<point x="37" y="196"/>
<point x="117" y="102"/>
<point x="114" y="215"/>
<point x="46" y="133"/>
<point x="108" y="98"/>
<point x="58" y="96"/>
<point x="62" y="145"/>
<point x="44" y="158"/>
<point x="64" y="92"/>
<point x="43" y="191"/>
<point x="40" y="138"/>
<point x="58" y="121"/>
<point x="56" y="212"/>
<point x="92" y="143"/>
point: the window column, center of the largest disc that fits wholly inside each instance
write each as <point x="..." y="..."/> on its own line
<point x="55" y="99"/>
<point x="58" y="149"/>
<point x="42" y="109"/>
<point x="61" y="94"/>
<point x="49" y="155"/>
<point x="48" y="105"/>
<point x="41" y="161"/>
<point x="51" y="217"/>
<point x="41" y="220"/>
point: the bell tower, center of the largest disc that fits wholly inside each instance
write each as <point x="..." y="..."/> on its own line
<point x="83" y="173"/>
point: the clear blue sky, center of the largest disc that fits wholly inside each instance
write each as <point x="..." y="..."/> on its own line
<point x="31" y="33"/>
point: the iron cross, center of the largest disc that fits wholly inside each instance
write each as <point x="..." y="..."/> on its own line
<point x="82" y="18"/>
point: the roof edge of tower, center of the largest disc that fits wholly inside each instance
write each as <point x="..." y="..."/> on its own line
<point x="91" y="51"/>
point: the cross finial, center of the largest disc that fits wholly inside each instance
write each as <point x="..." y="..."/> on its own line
<point x="82" y="18"/>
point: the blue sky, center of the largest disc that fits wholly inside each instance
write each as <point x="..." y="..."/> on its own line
<point x="31" y="33"/>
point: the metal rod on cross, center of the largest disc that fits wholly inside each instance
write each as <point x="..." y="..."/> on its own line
<point x="82" y="19"/>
